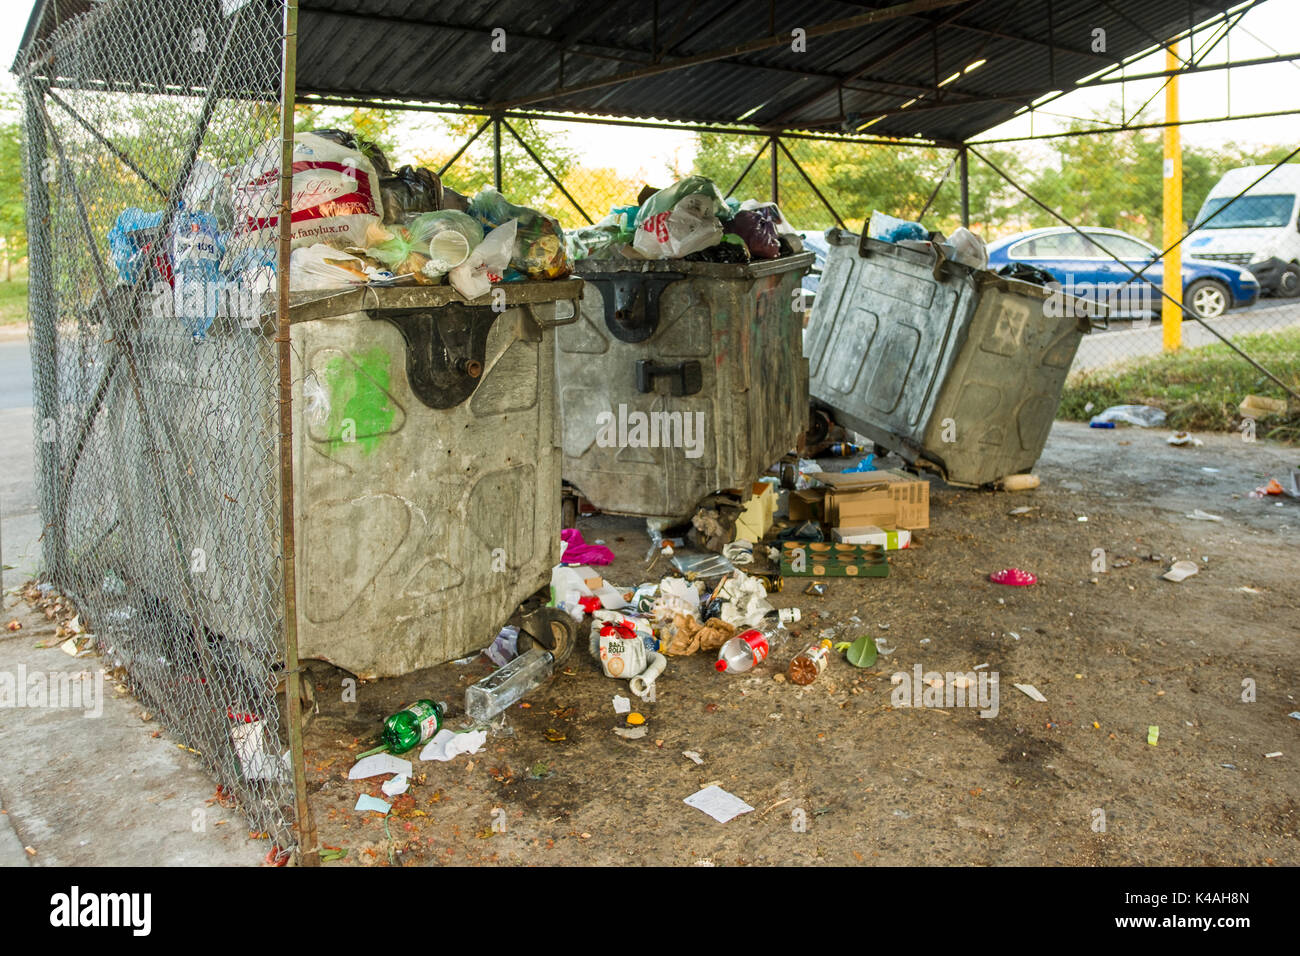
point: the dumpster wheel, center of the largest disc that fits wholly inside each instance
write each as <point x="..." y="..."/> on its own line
<point x="552" y="630"/>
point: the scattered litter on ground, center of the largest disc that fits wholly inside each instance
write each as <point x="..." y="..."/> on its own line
<point x="1153" y="735"/>
<point x="1013" y="577"/>
<point x="1181" y="571"/>
<point x="1183" y="439"/>
<point x="718" y="803"/>
<point x="622" y="705"/>
<point x="1275" y="753"/>
<point x="1199" y="515"/>
<point x="1143" y="416"/>
<point x="693" y="756"/>
<point x="447" y="744"/>
<point x="631" y="733"/>
<point x="366" y="802"/>
<point x="397" y="786"/>
<point x="377" y="765"/>
<point x="1029" y="690"/>
<point x="1022" y="510"/>
<point x="1020" y="482"/>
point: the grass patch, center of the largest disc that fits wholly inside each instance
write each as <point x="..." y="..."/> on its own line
<point x="13" y="300"/>
<point x="1199" y="389"/>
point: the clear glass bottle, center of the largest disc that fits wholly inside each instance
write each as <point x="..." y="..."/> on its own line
<point x="508" y="684"/>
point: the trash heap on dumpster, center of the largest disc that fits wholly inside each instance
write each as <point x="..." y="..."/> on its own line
<point x="691" y="220"/>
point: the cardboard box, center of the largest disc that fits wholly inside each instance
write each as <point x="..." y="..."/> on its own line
<point x="807" y="505"/>
<point x="889" y="540"/>
<point x="883" y="499"/>
<point x="755" y="521"/>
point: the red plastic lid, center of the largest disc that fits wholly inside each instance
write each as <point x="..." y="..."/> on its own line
<point x="720" y="665"/>
<point x="1014" y="577"/>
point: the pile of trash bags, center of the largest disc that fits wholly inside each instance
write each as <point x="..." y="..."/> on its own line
<point x="690" y="219"/>
<point x="354" y="221"/>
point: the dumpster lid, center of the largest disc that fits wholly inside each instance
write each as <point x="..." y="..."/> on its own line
<point x="320" y="304"/>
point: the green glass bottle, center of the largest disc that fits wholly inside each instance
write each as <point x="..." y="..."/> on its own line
<point x="412" y="726"/>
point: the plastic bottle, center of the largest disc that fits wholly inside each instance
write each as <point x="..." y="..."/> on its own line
<point x="750" y="648"/>
<point x="509" y="684"/>
<point x="412" y="725"/>
<point x="810" y="662"/>
<point x="196" y="254"/>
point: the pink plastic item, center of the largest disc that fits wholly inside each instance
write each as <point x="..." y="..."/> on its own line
<point x="1014" y="577"/>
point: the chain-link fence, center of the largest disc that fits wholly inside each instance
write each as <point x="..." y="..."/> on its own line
<point x="1092" y="209"/>
<point x="152" y="135"/>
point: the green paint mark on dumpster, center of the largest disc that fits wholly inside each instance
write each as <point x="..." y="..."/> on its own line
<point x="360" y="412"/>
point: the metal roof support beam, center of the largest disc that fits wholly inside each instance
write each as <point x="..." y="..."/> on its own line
<point x="464" y="146"/>
<point x="544" y="168"/>
<point x="812" y="185"/>
<point x="723" y="53"/>
<point x="741" y="178"/>
<point x="1130" y="128"/>
<point x="354" y="103"/>
<point x="104" y="141"/>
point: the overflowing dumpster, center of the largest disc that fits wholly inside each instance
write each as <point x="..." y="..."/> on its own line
<point x="680" y="379"/>
<point x="426" y="467"/>
<point x="957" y="370"/>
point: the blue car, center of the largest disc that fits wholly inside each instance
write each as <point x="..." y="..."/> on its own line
<point x="1085" y="268"/>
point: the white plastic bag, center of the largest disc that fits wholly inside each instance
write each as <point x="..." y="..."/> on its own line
<point x="324" y="267"/>
<point x="969" y="249"/>
<point x="335" y="194"/>
<point x="487" y="262"/>
<point x="690" y="227"/>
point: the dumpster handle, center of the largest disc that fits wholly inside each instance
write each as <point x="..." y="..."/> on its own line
<point x="687" y="376"/>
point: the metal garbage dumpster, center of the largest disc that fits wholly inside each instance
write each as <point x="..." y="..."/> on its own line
<point x="426" y="467"/>
<point x="958" y="370"/>
<point x="680" y="379"/>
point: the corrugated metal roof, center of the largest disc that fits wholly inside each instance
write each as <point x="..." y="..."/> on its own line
<point x="443" y="52"/>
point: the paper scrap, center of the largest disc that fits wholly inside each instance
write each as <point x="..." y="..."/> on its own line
<point x="622" y="704"/>
<point x="1029" y="690"/>
<point x="367" y="802"/>
<point x="1180" y="571"/>
<point x="692" y="755"/>
<point x="397" y="786"/>
<point x="717" y="803"/>
<point x="377" y="765"/>
<point x="1294" y="715"/>
<point x="1199" y="515"/>
<point x="1275" y="753"/>
<point x="631" y="733"/>
<point x="447" y="744"/>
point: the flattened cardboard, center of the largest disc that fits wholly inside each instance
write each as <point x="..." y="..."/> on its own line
<point x="886" y="499"/>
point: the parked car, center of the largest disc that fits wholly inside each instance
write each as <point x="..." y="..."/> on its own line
<point x="1259" y="230"/>
<point x="1084" y="266"/>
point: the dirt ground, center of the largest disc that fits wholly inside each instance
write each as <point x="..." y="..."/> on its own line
<point x="1071" y="781"/>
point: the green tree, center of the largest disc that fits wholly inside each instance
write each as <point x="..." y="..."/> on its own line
<point x="13" y="214"/>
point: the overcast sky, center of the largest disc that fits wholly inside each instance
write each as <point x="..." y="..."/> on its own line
<point x="1271" y="28"/>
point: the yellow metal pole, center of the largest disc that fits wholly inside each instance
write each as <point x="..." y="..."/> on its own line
<point x="1171" y="315"/>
